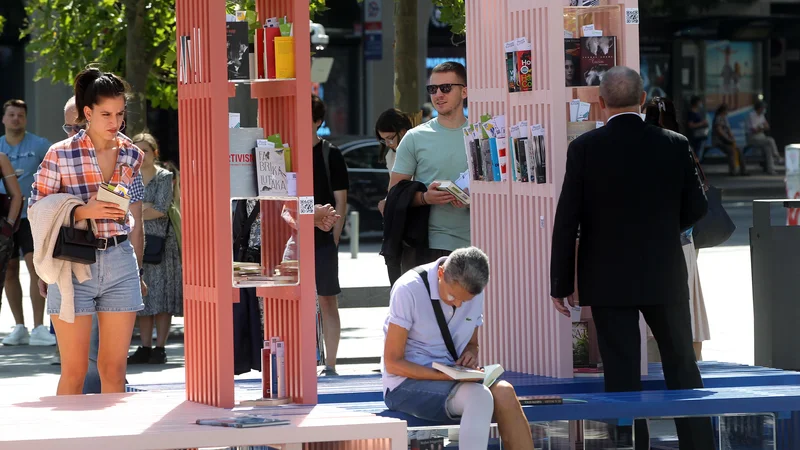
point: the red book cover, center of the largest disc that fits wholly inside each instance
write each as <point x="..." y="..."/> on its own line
<point x="598" y="55"/>
<point x="261" y="54"/>
<point x="272" y="33"/>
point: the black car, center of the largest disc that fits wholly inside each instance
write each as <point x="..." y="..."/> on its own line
<point x="369" y="182"/>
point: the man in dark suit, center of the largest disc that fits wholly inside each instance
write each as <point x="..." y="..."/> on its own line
<point x="630" y="259"/>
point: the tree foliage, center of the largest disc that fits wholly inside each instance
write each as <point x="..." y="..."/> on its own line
<point x="454" y="13"/>
<point x="67" y="35"/>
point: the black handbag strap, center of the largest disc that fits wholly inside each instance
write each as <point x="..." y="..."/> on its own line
<point x="437" y="309"/>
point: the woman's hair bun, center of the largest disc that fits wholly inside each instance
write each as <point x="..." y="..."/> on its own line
<point x="92" y="84"/>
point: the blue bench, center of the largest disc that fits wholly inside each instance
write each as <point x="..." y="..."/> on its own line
<point x="626" y="406"/>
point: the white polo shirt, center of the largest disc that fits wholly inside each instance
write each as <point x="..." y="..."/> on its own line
<point x="411" y="308"/>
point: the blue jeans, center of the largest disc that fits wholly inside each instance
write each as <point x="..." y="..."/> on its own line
<point x="423" y="399"/>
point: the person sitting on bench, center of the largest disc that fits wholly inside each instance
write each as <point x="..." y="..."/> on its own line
<point x="449" y="292"/>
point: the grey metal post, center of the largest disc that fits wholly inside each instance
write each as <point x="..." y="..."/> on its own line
<point x="354" y="232"/>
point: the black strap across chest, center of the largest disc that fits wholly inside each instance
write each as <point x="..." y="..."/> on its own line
<point x="437" y="309"/>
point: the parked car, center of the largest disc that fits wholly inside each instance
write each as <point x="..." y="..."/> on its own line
<point x="369" y="181"/>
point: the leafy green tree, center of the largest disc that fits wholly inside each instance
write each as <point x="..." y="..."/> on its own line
<point x="134" y="38"/>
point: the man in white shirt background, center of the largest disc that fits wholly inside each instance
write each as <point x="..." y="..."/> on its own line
<point x="757" y="127"/>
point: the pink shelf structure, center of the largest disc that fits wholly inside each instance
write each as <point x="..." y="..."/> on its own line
<point x="511" y="221"/>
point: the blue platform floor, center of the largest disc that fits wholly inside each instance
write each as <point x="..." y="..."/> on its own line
<point x="367" y="388"/>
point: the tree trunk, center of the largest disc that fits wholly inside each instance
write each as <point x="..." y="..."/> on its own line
<point x="137" y="67"/>
<point x="406" y="82"/>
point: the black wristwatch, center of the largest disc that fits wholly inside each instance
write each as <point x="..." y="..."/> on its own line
<point x="141" y="272"/>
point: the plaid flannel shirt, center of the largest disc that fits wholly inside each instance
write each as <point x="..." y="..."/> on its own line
<point x="71" y="167"/>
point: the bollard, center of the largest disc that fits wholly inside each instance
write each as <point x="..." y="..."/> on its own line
<point x="354" y="235"/>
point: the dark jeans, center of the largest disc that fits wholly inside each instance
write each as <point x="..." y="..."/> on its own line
<point x="620" y="348"/>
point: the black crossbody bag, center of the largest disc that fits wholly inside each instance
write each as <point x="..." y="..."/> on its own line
<point x="437" y="309"/>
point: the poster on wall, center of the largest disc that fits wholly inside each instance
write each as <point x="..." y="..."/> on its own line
<point x="732" y="77"/>
<point x="655" y="70"/>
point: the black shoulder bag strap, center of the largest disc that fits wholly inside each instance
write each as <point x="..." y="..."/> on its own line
<point x="437" y="309"/>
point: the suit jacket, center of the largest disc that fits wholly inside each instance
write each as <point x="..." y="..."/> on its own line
<point x="403" y="223"/>
<point x="631" y="188"/>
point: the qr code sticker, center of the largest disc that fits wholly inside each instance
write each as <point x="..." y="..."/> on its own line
<point x="306" y="205"/>
<point x="632" y="16"/>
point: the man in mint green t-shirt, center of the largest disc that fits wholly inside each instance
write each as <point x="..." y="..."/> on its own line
<point x="434" y="151"/>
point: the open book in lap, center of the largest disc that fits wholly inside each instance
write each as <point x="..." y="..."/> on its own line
<point x="488" y="374"/>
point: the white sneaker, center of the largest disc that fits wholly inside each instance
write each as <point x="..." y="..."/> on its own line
<point x="19" y="336"/>
<point x="41" y="336"/>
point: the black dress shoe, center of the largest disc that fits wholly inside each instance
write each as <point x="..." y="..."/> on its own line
<point x="140" y="356"/>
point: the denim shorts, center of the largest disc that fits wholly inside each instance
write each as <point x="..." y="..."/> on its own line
<point x="423" y="399"/>
<point x="114" y="286"/>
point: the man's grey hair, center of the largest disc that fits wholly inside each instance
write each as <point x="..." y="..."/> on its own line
<point x="622" y="87"/>
<point x="70" y="105"/>
<point x="469" y="267"/>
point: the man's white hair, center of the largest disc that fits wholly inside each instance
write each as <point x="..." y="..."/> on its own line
<point x="70" y="104"/>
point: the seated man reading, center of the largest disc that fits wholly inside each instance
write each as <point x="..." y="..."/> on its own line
<point x="413" y="341"/>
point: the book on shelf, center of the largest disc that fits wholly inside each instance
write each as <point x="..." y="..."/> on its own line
<point x="473" y="149"/>
<point x="452" y="188"/>
<point x="271" y="169"/>
<point x="536" y="400"/>
<point x="490" y="129"/>
<point x="539" y="152"/>
<point x="572" y="61"/>
<point x="242" y="160"/>
<point x="433" y="443"/>
<point x="511" y="66"/>
<point x="502" y="147"/>
<point x="598" y="56"/>
<point x="485" y="153"/>
<point x="520" y="151"/>
<point x="524" y="65"/>
<point x="575" y="129"/>
<point x="580" y="344"/>
<point x="489" y="374"/>
<point x="238" y="37"/>
<point x="245" y="421"/>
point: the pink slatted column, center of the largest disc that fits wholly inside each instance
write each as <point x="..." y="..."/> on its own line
<point x="203" y="108"/>
<point x="513" y="222"/>
<point x="285" y="107"/>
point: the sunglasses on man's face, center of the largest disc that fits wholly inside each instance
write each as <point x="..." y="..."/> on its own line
<point x="445" y="88"/>
<point x="72" y="129"/>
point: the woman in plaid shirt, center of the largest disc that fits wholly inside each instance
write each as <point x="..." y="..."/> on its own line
<point x="78" y="166"/>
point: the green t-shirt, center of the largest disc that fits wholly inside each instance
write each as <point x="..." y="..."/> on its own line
<point x="432" y="152"/>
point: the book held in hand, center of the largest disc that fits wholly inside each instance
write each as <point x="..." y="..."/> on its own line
<point x="247" y="421"/>
<point x="117" y="195"/>
<point x="458" y="193"/>
<point x="489" y="374"/>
